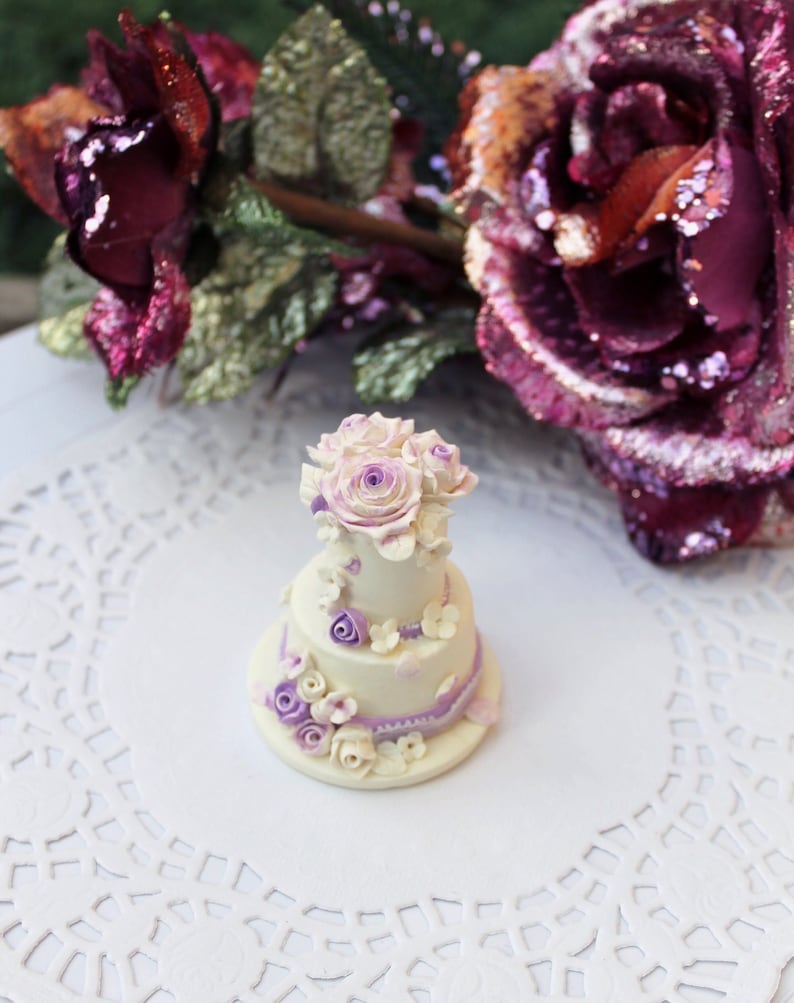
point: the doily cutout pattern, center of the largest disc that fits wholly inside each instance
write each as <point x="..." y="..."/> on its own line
<point x="688" y="898"/>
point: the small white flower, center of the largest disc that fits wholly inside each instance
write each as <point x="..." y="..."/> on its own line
<point x="428" y="555"/>
<point x="311" y="686"/>
<point x="334" y="581"/>
<point x="328" y="528"/>
<point x="389" y="761"/>
<point x="412" y="746"/>
<point x="334" y="708"/>
<point x="384" y="636"/>
<point x="440" y="621"/>
<point x="294" y="663"/>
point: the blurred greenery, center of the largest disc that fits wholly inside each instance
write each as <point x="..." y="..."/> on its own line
<point x="42" y="43"/>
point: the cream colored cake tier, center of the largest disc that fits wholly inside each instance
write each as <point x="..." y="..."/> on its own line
<point x="376" y="676"/>
<point x="410" y="677"/>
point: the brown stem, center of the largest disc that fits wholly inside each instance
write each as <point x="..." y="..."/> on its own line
<point x="354" y="223"/>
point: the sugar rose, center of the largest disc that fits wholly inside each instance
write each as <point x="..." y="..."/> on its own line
<point x="359" y="433"/>
<point x="376" y="495"/>
<point x="630" y="199"/>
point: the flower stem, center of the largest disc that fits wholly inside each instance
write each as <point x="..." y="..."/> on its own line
<point x="353" y="223"/>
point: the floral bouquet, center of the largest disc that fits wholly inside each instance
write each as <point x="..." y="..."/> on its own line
<point x="622" y="206"/>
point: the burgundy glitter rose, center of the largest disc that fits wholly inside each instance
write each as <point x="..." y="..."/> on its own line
<point x="129" y="150"/>
<point x="632" y="239"/>
<point x="289" y="707"/>
<point x="349" y="627"/>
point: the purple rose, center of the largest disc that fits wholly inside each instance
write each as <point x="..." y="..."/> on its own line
<point x="289" y="707"/>
<point x="349" y="627"/>
<point x="633" y="245"/>
<point x="314" y="737"/>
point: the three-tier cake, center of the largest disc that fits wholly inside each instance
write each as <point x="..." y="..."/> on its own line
<point x="377" y="676"/>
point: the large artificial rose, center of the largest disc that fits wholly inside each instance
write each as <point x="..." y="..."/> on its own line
<point x="379" y="496"/>
<point x="119" y="162"/>
<point x="630" y="197"/>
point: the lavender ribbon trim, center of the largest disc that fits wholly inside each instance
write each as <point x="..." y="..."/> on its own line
<point x="437" y="718"/>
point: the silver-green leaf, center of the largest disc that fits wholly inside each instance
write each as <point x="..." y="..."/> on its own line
<point x="249" y="313"/>
<point x="65" y="294"/>
<point x="321" y="114"/>
<point x="390" y="367"/>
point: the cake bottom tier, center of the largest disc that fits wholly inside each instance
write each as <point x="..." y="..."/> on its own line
<point x="381" y="752"/>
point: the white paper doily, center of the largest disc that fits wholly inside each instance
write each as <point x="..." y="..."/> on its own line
<point x="626" y="833"/>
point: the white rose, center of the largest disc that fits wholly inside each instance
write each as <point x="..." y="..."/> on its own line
<point x="445" y="477"/>
<point x="353" y="750"/>
<point x="359" y="433"/>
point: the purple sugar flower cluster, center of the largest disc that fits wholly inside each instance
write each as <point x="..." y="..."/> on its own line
<point x="378" y="477"/>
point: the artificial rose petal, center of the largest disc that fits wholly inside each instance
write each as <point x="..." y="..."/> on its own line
<point x="229" y="68"/>
<point x="121" y="80"/>
<point x="686" y="523"/>
<point x="584" y="237"/>
<point x="132" y="338"/>
<point x="508" y="110"/>
<point x="634" y="311"/>
<point x="725" y="259"/>
<point x="119" y="190"/>
<point x="530" y="337"/>
<point x="688" y="453"/>
<point x="31" y="135"/>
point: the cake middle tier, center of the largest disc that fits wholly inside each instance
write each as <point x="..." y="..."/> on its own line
<point x="379" y="587"/>
<point x="409" y="679"/>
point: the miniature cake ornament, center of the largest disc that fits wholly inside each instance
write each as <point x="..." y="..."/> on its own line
<point x="377" y="676"/>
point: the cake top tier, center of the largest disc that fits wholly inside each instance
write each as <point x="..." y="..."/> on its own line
<point x="377" y="477"/>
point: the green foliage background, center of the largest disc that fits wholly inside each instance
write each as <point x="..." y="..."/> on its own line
<point x="43" y="42"/>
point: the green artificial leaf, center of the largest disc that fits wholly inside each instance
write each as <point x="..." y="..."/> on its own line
<point x="321" y="114"/>
<point x="65" y="295"/>
<point x="389" y="367"/>
<point x="117" y="392"/>
<point x="248" y="211"/>
<point x="249" y="313"/>
<point x="425" y="75"/>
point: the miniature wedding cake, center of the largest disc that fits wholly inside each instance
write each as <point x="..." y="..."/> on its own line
<point x="377" y="676"/>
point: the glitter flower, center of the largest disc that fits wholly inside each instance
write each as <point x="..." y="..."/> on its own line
<point x="334" y="708"/>
<point x="121" y="165"/>
<point x="440" y="621"/>
<point x="353" y="750"/>
<point x="314" y="737"/>
<point x="632" y="243"/>
<point x="384" y="636"/>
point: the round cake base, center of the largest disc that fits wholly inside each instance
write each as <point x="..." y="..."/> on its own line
<point x="442" y="751"/>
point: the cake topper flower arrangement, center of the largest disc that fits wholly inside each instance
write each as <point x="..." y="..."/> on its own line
<point x="623" y="203"/>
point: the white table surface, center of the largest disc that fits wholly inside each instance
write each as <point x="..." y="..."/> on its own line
<point x="626" y="834"/>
